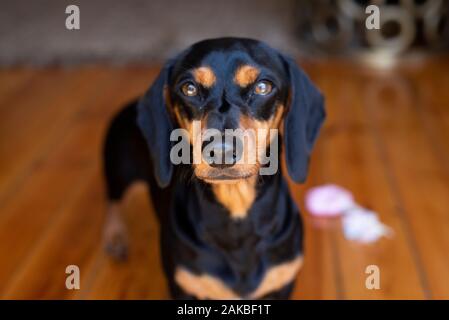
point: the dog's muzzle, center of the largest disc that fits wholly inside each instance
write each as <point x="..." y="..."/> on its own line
<point x="223" y="153"/>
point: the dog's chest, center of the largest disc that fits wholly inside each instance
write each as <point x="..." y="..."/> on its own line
<point x="218" y="257"/>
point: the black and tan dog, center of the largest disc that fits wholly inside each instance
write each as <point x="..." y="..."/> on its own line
<point x="226" y="231"/>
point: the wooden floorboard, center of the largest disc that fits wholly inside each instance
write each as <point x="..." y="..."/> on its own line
<point x="13" y="81"/>
<point x="386" y="139"/>
<point x="58" y="174"/>
<point x="418" y="175"/>
<point x="354" y="163"/>
<point x="32" y="123"/>
<point x="319" y="256"/>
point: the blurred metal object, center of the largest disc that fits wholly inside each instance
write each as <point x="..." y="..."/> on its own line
<point x="408" y="28"/>
<point x="330" y="30"/>
<point x="423" y="7"/>
<point x="356" y="9"/>
<point x="436" y="26"/>
<point x="396" y="41"/>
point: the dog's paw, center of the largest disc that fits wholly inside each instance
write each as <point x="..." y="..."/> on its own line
<point x="116" y="246"/>
<point x="115" y="236"/>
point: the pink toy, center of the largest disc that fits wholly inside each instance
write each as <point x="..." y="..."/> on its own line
<point x="358" y="224"/>
<point x="328" y="200"/>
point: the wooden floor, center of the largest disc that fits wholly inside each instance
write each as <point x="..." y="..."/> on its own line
<point x="386" y="139"/>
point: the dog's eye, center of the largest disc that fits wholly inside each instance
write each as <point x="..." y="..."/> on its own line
<point x="263" y="87"/>
<point x="189" y="89"/>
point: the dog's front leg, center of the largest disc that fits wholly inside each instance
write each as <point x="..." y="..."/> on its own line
<point x="115" y="235"/>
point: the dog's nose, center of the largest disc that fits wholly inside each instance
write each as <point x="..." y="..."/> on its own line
<point x="219" y="154"/>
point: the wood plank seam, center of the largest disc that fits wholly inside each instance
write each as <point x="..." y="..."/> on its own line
<point x="400" y="208"/>
<point x="57" y="216"/>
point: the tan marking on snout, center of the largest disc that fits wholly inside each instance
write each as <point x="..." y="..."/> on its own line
<point x="188" y="125"/>
<point x="204" y="76"/>
<point x="273" y="123"/>
<point x="203" y="286"/>
<point x="277" y="277"/>
<point x="236" y="197"/>
<point x="175" y="111"/>
<point x="245" y="75"/>
<point x="183" y="122"/>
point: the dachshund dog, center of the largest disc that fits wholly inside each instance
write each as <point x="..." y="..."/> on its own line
<point x="227" y="231"/>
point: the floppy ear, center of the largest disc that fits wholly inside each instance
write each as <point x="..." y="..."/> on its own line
<point x="303" y="121"/>
<point x="154" y="122"/>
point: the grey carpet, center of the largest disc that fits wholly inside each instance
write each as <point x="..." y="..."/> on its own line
<point x="33" y="32"/>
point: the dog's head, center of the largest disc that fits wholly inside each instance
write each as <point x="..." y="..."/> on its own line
<point x="231" y="83"/>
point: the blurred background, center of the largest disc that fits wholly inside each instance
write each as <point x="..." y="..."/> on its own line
<point x="33" y="32"/>
<point x="386" y="138"/>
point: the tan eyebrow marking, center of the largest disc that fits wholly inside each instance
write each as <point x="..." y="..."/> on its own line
<point x="204" y="76"/>
<point x="246" y="75"/>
